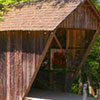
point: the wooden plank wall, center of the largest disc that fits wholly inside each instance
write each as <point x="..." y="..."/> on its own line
<point x="19" y="55"/>
<point x="77" y="44"/>
<point x="82" y="18"/>
<point x="76" y="41"/>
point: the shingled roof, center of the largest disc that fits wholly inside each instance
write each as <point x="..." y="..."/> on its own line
<point x="41" y="15"/>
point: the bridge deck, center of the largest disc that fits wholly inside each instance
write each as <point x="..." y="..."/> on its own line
<point x="50" y="95"/>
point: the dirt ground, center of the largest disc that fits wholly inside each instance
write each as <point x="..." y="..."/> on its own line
<point x="53" y="95"/>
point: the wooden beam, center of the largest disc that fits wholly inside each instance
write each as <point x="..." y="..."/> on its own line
<point x="58" y="42"/>
<point x="86" y="55"/>
<point x="94" y="8"/>
<point x="40" y="62"/>
<point x="67" y="47"/>
<point x="67" y="39"/>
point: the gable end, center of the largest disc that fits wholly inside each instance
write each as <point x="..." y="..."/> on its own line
<point x="82" y="18"/>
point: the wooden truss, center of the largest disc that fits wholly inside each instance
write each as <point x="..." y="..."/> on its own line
<point x="52" y="35"/>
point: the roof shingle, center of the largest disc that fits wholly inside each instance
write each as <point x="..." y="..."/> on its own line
<point x="41" y="15"/>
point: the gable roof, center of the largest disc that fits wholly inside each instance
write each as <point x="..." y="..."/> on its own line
<point x="41" y="15"/>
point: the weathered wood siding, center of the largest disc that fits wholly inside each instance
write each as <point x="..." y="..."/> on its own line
<point x="19" y="56"/>
<point x="76" y="46"/>
<point x="82" y="18"/>
<point x="76" y="42"/>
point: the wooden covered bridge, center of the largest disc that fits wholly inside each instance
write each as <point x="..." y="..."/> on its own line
<point x="46" y="34"/>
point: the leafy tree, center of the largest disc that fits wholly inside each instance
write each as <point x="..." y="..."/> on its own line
<point x="97" y="4"/>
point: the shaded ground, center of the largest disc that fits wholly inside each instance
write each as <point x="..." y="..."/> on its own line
<point x="51" y="95"/>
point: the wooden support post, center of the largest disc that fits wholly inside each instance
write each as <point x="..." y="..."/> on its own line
<point x="67" y="40"/>
<point x="86" y="54"/>
<point x="58" y="42"/>
<point x="8" y="68"/>
<point x="67" y="49"/>
<point x="40" y="62"/>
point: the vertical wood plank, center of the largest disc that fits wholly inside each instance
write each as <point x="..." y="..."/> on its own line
<point x="20" y="64"/>
<point x="74" y="34"/>
<point x="12" y="67"/>
<point x="8" y="68"/>
<point x="24" y="61"/>
<point x="33" y="69"/>
<point x="4" y="65"/>
<point x="1" y="68"/>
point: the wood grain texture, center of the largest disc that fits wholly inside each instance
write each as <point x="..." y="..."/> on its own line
<point x="19" y="54"/>
<point x="82" y="18"/>
<point x="47" y="45"/>
<point x="86" y="54"/>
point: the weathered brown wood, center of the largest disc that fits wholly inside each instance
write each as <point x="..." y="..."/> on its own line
<point x="83" y="14"/>
<point x="74" y="42"/>
<point x="34" y="60"/>
<point x="86" y="54"/>
<point x="20" y="67"/>
<point x="24" y="63"/>
<point x="8" y="68"/>
<point x="94" y="9"/>
<point x="12" y="69"/>
<point x="40" y="61"/>
<point x="67" y="39"/>
<point x="58" y="42"/>
<point x="3" y="52"/>
<point x="2" y="68"/>
<point x="16" y="67"/>
<point x="18" y="60"/>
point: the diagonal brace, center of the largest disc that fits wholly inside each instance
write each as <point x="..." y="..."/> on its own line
<point x="58" y="42"/>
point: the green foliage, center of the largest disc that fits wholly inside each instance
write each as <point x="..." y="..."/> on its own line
<point x="6" y="2"/>
<point x="97" y="4"/>
<point x="75" y="88"/>
<point x="93" y="61"/>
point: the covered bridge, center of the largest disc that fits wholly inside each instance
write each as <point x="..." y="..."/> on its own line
<point x="33" y="33"/>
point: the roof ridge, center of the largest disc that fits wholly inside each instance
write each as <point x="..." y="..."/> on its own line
<point x="32" y="2"/>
